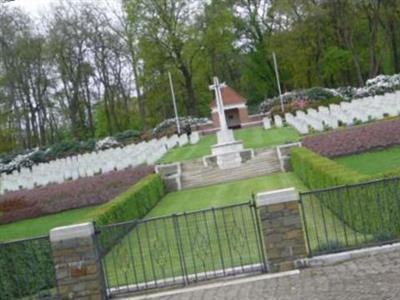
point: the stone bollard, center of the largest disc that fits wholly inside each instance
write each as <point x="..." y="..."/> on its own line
<point x="77" y="263"/>
<point x="282" y="228"/>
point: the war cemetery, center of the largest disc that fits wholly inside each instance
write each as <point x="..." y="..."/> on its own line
<point x="186" y="208"/>
<point x="188" y="150"/>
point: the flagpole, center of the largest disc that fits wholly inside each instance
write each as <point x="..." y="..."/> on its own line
<point x="278" y="81"/>
<point x="178" y="126"/>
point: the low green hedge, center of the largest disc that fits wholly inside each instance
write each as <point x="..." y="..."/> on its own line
<point x="26" y="270"/>
<point x="318" y="172"/>
<point x="367" y="208"/>
<point x="133" y="204"/>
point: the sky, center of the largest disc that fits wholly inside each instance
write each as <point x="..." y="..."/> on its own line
<point x="37" y="7"/>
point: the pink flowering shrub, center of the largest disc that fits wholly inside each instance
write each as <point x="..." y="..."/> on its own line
<point x="355" y="139"/>
<point x="26" y="204"/>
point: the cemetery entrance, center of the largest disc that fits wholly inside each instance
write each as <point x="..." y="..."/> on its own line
<point x="181" y="249"/>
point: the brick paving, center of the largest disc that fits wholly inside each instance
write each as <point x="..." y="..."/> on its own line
<point x="369" y="278"/>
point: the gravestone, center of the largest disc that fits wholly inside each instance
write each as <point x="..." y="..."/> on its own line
<point x="267" y="123"/>
<point x="278" y="121"/>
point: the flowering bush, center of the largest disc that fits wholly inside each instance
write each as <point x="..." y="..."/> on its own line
<point x="107" y="143"/>
<point x="310" y="95"/>
<point x="376" y="86"/>
<point x="355" y="139"/>
<point x="170" y="124"/>
<point x="299" y="104"/>
<point x="70" y="195"/>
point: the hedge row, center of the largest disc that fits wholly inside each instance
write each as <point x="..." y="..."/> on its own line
<point x="318" y="172"/>
<point x="26" y="270"/>
<point x="133" y="204"/>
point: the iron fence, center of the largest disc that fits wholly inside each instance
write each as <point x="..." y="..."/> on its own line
<point x="181" y="249"/>
<point x="353" y="216"/>
<point x="27" y="270"/>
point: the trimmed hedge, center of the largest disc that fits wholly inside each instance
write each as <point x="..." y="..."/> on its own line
<point x="133" y="204"/>
<point x="318" y="172"/>
<point x="27" y="270"/>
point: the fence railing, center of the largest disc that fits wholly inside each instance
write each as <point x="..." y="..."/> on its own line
<point x="180" y="249"/>
<point x="27" y="270"/>
<point x="352" y="216"/>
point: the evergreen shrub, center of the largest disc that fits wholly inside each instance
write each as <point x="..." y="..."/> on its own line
<point x="133" y="204"/>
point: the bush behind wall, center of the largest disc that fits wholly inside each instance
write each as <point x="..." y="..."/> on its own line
<point x="133" y="204"/>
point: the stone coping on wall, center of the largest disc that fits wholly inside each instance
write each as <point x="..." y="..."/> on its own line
<point x="71" y="232"/>
<point x="277" y="197"/>
<point x="336" y="258"/>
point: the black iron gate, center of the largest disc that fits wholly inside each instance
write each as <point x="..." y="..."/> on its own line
<point x="181" y="249"/>
<point x="353" y="216"/>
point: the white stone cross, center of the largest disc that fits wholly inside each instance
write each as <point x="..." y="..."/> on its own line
<point x="219" y="101"/>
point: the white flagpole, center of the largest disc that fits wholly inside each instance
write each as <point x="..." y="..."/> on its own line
<point x="278" y="81"/>
<point x="178" y="126"/>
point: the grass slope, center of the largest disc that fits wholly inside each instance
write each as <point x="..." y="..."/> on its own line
<point x="255" y="137"/>
<point x="41" y="226"/>
<point x="224" y="194"/>
<point x="373" y="162"/>
<point x="188" y="200"/>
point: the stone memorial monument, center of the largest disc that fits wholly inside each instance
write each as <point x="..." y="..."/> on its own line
<point x="227" y="151"/>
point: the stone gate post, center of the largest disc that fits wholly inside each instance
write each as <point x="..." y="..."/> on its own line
<point x="77" y="263"/>
<point x="282" y="228"/>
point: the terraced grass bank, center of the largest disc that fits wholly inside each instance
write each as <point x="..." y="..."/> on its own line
<point x="252" y="138"/>
<point x="189" y="200"/>
<point x="373" y="162"/>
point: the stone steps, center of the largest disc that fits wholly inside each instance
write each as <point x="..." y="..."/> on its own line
<point x="195" y="174"/>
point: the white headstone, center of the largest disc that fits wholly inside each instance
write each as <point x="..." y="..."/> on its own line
<point x="278" y="121"/>
<point x="267" y="123"/>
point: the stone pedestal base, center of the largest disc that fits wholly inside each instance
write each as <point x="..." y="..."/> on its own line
<point x="229" y="160"/>
<point x="225" y="136"/>
<point x="231" y="147"/>
<point x="227" y="151"/>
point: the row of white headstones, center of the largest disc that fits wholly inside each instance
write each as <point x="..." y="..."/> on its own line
<point x="90" y="164"/>
<point x="361" y="110"/>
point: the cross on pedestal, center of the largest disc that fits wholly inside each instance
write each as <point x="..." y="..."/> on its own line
<point x="217" y="86"/>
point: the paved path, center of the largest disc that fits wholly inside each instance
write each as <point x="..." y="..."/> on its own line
<point x="369" y="278"/>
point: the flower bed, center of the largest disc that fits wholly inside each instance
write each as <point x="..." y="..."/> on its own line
<point x="70" y="195"/>
<point x="356" y="139"/>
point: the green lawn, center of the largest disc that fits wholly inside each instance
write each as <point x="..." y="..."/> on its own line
<point x="161" y="248"/>
<point x="150" y="249"/>
<point x="252" y="138"/>
<point x="189" y="200"/>
<point x="41" y="226"/>
<point x="224" y="194"/>
<point x="373" y="162"/>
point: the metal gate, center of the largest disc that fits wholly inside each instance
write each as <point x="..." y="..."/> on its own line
<point x="181" y="249"/>
<point x="353" y="216"/>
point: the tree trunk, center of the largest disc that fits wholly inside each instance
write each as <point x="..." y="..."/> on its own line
<point x="190" y="102"/>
